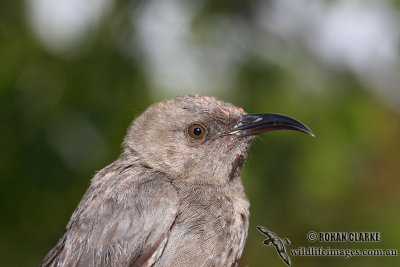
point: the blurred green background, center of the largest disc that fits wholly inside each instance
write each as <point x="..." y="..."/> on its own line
<point x="73" y="75"/>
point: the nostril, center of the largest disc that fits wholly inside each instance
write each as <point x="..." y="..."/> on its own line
<point x="249" y="119"/>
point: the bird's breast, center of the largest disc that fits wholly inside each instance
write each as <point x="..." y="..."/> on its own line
<point x="210" y="229"/>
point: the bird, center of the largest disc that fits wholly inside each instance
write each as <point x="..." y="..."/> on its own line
<point x="174" y="197"/>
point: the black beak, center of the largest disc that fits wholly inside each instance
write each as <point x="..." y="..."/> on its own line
<point x="252" y="124"/>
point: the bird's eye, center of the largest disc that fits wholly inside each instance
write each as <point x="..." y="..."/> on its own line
<point x="197" y="131"/>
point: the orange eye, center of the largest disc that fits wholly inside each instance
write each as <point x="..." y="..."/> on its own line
<point x="197" y="131"/>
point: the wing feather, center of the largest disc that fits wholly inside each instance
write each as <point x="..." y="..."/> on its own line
<point x="123" y="220"/>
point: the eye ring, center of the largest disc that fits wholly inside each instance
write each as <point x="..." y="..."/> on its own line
<point x="197" y="131"/>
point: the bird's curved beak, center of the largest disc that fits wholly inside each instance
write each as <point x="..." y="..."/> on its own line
<point x="251" y="124"/>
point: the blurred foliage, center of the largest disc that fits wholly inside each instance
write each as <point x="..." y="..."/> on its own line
<point x="63" y="117"/>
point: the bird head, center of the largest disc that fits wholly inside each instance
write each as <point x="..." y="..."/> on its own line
<point x="200" y="139"/>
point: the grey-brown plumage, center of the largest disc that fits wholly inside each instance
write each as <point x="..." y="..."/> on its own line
<point x="174" y="197"/>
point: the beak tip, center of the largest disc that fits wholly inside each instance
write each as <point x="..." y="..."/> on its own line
<point x="309" y="132"/>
